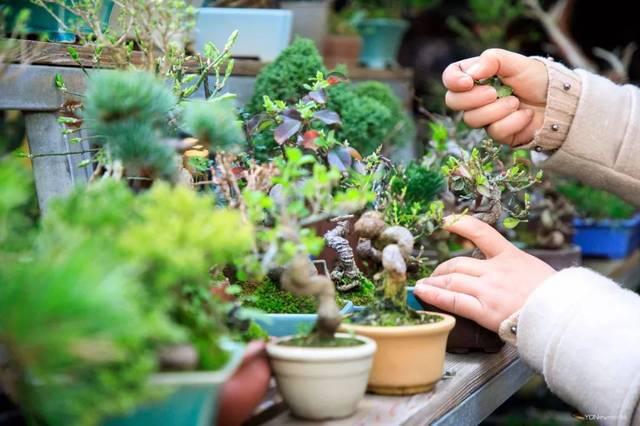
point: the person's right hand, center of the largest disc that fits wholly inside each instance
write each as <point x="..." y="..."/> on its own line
<point x="511" y="120"/>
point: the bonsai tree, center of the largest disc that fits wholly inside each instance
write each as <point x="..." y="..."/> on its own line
<point x="371" y="115"/>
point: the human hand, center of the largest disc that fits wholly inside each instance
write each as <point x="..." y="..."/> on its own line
<point x="486" y="291"/>
<point x="510" y="120"/>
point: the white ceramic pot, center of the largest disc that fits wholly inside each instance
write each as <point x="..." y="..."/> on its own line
<point x="262" y="33"/>
<point x="322" y="383"/>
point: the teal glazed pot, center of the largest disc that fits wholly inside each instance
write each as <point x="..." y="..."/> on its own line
<point x="41" y="22"/>
<point x="192" y="399"/>
<point x="381" y="40"/>
<point x="279" y="325"/>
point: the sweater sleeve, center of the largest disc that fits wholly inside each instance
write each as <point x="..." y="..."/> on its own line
<point x="581" y="331"/>
<point x="601" y="145"/>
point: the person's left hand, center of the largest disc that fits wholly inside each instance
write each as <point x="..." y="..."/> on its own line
<point x="486" y="291"/>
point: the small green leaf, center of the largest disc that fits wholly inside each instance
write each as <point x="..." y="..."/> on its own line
<point x="84" y="163"/>
<point x="73" y="53"/>
<point x="59" y="80"/>
<point x="504" y="91"/>
<point x="510" y="222"/>
<point x="73" y="141"/>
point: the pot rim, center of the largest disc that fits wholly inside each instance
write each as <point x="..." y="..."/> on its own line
<point x="312" y="355"/>
<point x="177" y="378"/>
<point x="405" y="330"/>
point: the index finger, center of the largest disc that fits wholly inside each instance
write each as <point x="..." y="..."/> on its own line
<point x="455" y="79"/>
<point x="484" y="236"/>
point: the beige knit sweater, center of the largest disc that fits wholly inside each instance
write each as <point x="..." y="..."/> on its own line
<point x="580" y="329"/>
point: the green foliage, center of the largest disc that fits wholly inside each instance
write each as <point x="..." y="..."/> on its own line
<point x="129" y="114"/>
<point x="371" y="116"/>
<point x="82" y="345"/>
<point x="284" y="79"/>
<point x="16" y="191"/>
<point x="364" y="295"/>
<point x="214" y="124"/>
<point x="270" y="298"/>
<point x="418" y="183"/>
<point x="595" y="203"/>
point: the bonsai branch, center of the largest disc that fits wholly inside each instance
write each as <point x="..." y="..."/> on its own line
<point x="346" y="273"/>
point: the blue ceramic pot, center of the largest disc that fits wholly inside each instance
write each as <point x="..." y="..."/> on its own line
<point x="279" y="325"/>
<point x="611" y="238"/>
<point x="381" y="40"/>
<point x="41" y="21"/>
<point x="192" y="399"/>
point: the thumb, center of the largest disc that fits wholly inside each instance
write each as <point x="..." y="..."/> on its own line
<point x="497" y="62"/>
<point x="484" y="236"/>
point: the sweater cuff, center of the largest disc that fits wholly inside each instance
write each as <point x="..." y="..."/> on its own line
<point x="563" y="93"/>
<point x="508" y="329"/>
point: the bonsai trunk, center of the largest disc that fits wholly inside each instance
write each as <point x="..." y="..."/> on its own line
<point x="301" y="278"/>
<point x="346" y="273"/>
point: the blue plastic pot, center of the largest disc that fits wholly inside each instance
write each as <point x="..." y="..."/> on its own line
<point x="41" y="21"/>
<point x="192" y="399"/>
<point x="614" y="239"/>
<point x="279" y="325"/>
<point x="381" y="40"/>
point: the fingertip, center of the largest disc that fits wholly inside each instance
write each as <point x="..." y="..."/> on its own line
<point x="465" y="82"/>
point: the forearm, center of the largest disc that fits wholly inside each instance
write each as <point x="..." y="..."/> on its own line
<point x="592" y="131"/>
<point x="580" y="330"/>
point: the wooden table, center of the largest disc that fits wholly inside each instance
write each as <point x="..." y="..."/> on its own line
<point x="473" y="387"/>
<point x="30" y="88"/>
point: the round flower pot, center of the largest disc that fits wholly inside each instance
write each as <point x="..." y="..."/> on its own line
<point x="381" y="40"/>
<point x="342" y="49"/>
<point x="322" y="383"/>
<point x="242" y="393"/>
<point x="410" y="358"/>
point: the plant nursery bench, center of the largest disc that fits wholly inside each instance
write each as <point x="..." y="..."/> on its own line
<point x="474" y="385"/>
<point x="28" y="86"/>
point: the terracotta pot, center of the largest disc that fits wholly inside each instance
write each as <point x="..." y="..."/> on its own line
<point x="322" y="383"/>
<point x="242" y="393"/>
<point x="409" y="359"/>
<point x="342" y="49"/>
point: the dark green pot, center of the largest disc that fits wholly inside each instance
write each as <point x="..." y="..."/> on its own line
<point x="41" y="21"/>
<point x="192" y="398"/>
<point x="381" y="40"/>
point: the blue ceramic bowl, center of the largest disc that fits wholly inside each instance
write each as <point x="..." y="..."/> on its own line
<point x="279" y="325"/>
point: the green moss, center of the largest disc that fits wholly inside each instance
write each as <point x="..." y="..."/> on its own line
<point x="284" y="78"/>
<point x="316" y="342"/>
<point x="393" y="319"/>
<point x="363" y="296"/>
<point x="268" y="297"/>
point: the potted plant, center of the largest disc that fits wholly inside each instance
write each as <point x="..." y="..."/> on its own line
<point x="59" y="20"/>
<point x="607" y="225"/>
<point x="548" y="232"/>
<point x="382" y="28"/>
<point x="370" y="113"/>
<point x="411" y="344"/>
<point x="310" y="19"/>
<point x="323" y="374"/>
<point x="343" y="44"/>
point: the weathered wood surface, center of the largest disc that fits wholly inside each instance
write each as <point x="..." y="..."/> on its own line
<point x="469" y="373"/>
<point x="44" y="53"/>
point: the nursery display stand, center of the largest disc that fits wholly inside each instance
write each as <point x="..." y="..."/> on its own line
<point x="30" y="88"/>
<point x="474" y="384"/>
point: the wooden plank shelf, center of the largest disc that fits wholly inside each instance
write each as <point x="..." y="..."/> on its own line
<point x="474" y="384"/>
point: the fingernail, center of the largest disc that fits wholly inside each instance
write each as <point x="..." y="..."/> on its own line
<point x="465" y="79"/>
<point x="451" y="219"/>
<point x="473" y="69"/>
<point x="512" y="102"/>
<point x="529" y="112"/>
